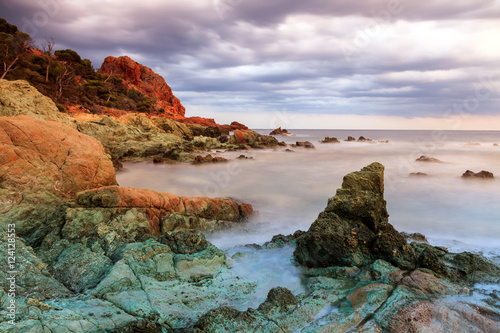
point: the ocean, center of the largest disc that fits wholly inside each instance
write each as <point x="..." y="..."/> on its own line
<point x="289" y="189"/>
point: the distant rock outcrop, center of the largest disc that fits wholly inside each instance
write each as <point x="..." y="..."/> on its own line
<point x="304" y="144"/>
<point x="279" y="131"/>
<point x="21" y="98"/>
<point x="482" y="174"/>
<point x="330" y="140"/>
<point x="144" y="80"/>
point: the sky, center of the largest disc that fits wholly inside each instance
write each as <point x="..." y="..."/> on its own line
<point x="381" y="64"/>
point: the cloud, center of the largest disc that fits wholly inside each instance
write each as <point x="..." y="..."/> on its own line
<point x="398" y="58"/>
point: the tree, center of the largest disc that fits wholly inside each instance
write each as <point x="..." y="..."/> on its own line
<point x="47" y="54"/>
<point x="65" y="73"/>
<point x="12" y="48"/>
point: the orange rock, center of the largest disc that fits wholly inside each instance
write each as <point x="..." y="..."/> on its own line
<point x="208" y="122"/>
<point x="144" y="80"/>
<point x="49" y="156"/>
<point x="159" y="204"/>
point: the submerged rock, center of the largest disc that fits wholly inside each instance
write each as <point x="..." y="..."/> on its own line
<point x="424" y="158"/>
<point x="418" y="174"/>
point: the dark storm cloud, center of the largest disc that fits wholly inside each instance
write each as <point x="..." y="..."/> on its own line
<point x="385" y="57"/>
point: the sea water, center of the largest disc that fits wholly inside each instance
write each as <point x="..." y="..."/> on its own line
<point x="288" y="189"/>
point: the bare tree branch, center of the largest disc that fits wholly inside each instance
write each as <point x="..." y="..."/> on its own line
<point x="48" y="49"/>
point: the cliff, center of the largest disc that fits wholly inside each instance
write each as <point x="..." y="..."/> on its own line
<point x="146" y="81"/>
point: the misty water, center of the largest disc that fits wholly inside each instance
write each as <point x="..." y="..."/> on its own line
<point x="289" y="189"/>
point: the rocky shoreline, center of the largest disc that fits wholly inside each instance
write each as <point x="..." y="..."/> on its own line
<point x="93" y="256"/>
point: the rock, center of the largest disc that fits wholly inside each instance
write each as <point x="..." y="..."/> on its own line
<point x="482" y="174"/>
<point x="33" y="278"/>
<point x="253" y="139"/>
<point x="418" y="174"/>
<point x="185" y="241"/>
<point x="151" y="280"/>
<point x="20" y="98"/>
<point x="279" y="131"/>
<point x="173" y="127"/>
<point x="424" y="158"/>
<point x="209" y="159"/>
<point x="350" y="138"/>
<point x="232" y="127"/>
<point x="132" y="136"/>
<point x="280" y="299"/>
<point x="363" y="139"/>
<point x="204" y="122"/>
<point x="444" y="316"/>
<point x="44" y="157"/>
<point x="304" y="144"/>
<point x="79" y="269"/>
<point x="144" y="80"/>
<point x="162" y="209"/>
<point x="354" y="230"/>
<point x="243" y="157"/>
<point x="330" y="140"/>
<point x="212" y="132"/>
<point x="416" y="236"/>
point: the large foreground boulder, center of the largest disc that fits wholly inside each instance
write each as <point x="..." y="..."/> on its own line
<point x="43" y="158"/>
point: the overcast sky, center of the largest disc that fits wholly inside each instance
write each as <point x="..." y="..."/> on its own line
<point x="301" y="64"/>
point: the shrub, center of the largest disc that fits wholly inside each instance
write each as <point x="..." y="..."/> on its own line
<point x="61" y="108"/>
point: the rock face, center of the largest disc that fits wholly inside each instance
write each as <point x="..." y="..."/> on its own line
<point x="145" y="80"/>
<point x="42" y="156"/>
<point x="354" y="230"/>
<point x="21" y="98"/>
<point x="482" y="174"/>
